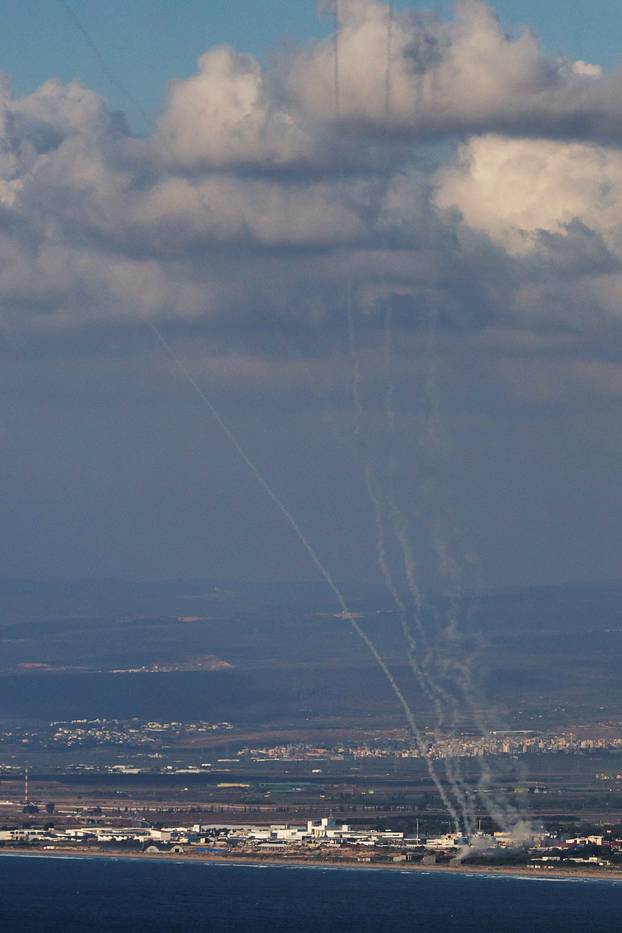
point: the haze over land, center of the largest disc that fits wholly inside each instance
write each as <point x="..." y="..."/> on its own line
<point x="266" y="656"/>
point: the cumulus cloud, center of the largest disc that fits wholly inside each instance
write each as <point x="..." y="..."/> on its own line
<point x="412" y="75"/>
<point x="516" y="189"/>
<point x="554" y="209"/>
<point x="265" y="196"/>
<point x="226" y="115"/>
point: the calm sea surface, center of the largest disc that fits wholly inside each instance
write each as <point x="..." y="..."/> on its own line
<point x="40" y="894"/>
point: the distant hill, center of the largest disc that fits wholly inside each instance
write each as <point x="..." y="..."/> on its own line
<point x="282" y="651"/>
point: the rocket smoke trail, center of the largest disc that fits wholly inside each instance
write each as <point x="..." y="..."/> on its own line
<point x="413" y="648"/>
<point x="101" y="61"/>
<point x="109" y="74"/>
<point x="312" y="553"/>
<point x="436" y="694"/>
<point x="444" y="700"/>
<point x="355" y="361"/>
<point x="384" y="510"/>
<point x="389" y="393"/>
<point x="431" y="689"/>
<point x="358" y="419"/>
<point x="337" y="62"/>
<point x="389" y="64"/>
<point x="272" y="495"/>
<point x="445" y="543"/>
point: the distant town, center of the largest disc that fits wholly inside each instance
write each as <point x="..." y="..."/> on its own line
<point x="149" y="735"/>
<point x="497" y="743"/>
<point x="84" y="733"/>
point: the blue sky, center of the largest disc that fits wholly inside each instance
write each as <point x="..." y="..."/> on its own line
<point x="147" y="42"/>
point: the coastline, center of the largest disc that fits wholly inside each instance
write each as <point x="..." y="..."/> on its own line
<point x="524" y="873"/>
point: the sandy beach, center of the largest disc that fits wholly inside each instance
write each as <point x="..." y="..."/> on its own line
<point x="524" y="872"/>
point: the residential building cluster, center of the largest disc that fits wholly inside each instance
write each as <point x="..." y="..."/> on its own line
<point x="149" y="735"/>
<point x="87" y="733"/>
<point x="437" y="747"/>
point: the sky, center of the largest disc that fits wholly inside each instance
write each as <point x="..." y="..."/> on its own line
<point x="391" y="262"/>
<point x="147" y="43"/>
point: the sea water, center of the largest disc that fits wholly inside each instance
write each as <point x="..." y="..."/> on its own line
<point x="102" y="894"/>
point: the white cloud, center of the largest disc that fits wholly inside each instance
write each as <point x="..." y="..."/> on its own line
<point x="250" y="210"/>
<point x="415" y="75"/>
<point x="225" y="115"/>
<point x="587" y="70"/>
<point x="515" y="189"/>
